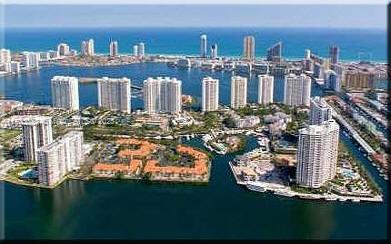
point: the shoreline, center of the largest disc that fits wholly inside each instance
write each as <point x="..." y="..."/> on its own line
<point x="287" y="192"/>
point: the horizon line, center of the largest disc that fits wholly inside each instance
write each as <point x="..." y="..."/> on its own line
<point x="195" y="26"/>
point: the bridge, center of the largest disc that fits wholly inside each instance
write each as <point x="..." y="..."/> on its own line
<point x="95" y="79"/>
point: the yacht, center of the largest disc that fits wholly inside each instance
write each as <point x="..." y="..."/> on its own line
<point x="255" y="186"/>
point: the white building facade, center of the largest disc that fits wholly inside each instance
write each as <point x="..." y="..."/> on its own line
<point x="37" y="132"/>
<point x="114" y="94"/>
<point x="238" y="92"/>
<point x="317" y="154"/>
<point x="210" y="94"/>
<point x="297" y="90"/>
<point x="65" y="92"/>
<point x="265" y="89"/>
<point x="162" y="95"/>
<point x="60" y="157"/>
<point x="320" y="110"/>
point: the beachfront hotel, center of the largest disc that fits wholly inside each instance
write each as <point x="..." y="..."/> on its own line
<point x="203" y="46"/>
<point x="37" y="132"/>
<point x="141" y="50"/>
<point x="334" y="54"/>
<point x="320" y="110"/>
<point x="210" y="94"/>
<point x="274" y="53"/>
<point x="213" y="51"/>
<point x="113" y="49"/>
<point x="238" y="92"/>
<point x="60" y="157"/>
<point x="317" y="154"/>
<point x="63" y="49"/>
<point x="114" y="94"/>
<point x="162" y="95"/>
<point x="265" y="89"/>
<point x="65" y="92"/>
<point x="249" y="48"/>
<point x="297" y="90"/>
<point x="87" y="48"/>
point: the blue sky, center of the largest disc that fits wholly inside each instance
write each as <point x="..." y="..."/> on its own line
<point x="332" y="16"/>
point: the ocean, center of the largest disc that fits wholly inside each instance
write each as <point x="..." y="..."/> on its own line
<point x="365" y="44"/>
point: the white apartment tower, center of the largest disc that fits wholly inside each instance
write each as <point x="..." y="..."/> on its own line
<point x="141" y="50"/>
<point x="31" y="60"/>
<point x="60" y="157"/>
<point x="297" y="90"/>
<point x="238" y="92"/>
<point x="87" y="48"/>
<point x="37" y="132"/>
<point x="135" y="50"/>
<point x="113" y="48"/>
<point x="162" y="95"/>
<point x="63" y="49"/>
<point x="210" y="94"/>
<point x="5" y="56"/>
<point x="114" y="94"/>
<point x="265" y="89"/>
<point x="320" y="111"/>
<point x="65" y="92"/>
<point x="317" y="154"/>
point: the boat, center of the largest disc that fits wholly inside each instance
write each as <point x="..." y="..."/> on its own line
<point x="309" y="197"/>
<point x="355" y="200"/>
<point x="255" y="186"/>
<point x="285" y="194"/>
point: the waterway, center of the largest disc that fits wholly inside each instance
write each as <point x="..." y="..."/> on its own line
<point x="140" y="210"/>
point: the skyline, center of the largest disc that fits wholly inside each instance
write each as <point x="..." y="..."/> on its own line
<point x="113" y="16"/>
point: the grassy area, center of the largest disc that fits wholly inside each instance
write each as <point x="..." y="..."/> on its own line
<point x="345" y="154"/>
<point x="8" y="134"/>
<point x="14" y="173"/>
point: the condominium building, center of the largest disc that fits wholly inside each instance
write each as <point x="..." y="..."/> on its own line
<point x="213" y="51"/>
<point x="210" y="94"/>
<point x="87" y="48"/>
<point x="5" y="56"/>
<point x="15" y="67"/>
<point x="65" y="92"/>
<point x="274" y="53"/>
<point x="141" y="50"/>
<point x="334" y="54"/>
<point x="63" y="49"/>
<point x="265" y="89"/>
<point x="249" y="48"/>
<point x="162" y="95"/>
<point x="307" y="54"/>
<point x="297" y="90"/>
<point x="135" y="50"/>
<point x="358" y="79"/>
<point x="113" y="47"/>
<point x="37" y="132"/>
<point x="320" y="110"/>
<point x="60" y="157"/>
<point x="317" y="154"/>
<point x="203" y="46"/>
<point x="114" y="94"/>
<point x="30" y="60"/>
<point x="238" y="92"/>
